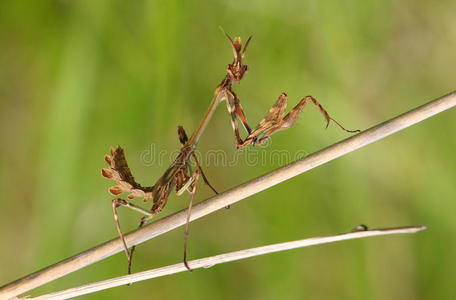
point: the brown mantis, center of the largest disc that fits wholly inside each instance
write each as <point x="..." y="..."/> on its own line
<point x="180" y="175"/>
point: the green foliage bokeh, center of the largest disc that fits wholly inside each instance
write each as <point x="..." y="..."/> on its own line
<point x="77" y="77"/>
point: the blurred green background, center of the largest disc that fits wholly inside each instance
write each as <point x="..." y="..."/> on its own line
<point x="77" y="77"/>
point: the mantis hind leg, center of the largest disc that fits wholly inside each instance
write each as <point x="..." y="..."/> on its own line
<point x="116" y="203"/>
<point x="192" y="191"/>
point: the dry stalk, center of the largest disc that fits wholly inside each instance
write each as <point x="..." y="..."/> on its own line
<point x="211" y="261"/>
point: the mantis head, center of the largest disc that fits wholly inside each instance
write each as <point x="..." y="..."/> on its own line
<point x="237" y="69"/>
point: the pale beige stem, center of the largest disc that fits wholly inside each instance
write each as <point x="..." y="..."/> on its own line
<point x="229" y="197"/>
<point x="211" y="261"/>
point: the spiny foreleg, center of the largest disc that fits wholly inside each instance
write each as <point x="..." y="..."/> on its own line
<point x="275" y="120"/>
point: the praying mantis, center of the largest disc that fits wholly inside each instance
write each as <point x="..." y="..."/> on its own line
<point x="181" y="176"/>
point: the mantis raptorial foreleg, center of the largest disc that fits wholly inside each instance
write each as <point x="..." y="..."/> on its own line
<point x="275" y="120"/>
<point x="235" y="110"/>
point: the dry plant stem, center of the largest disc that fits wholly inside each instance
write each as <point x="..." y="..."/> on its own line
<point x="229" y="197"/>
<point x="221" y="258"/>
